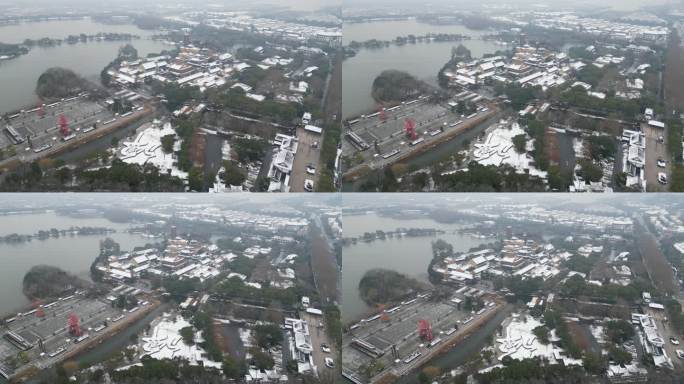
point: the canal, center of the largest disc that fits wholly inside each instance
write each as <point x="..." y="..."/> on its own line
<point x="439" y="152"/>
<point x="465" y="350"/>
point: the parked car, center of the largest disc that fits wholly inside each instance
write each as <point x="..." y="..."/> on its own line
<point x="308" y="185"/>
<point x="662" y="178"/>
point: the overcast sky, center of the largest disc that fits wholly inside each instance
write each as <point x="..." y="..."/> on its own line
<point x="311" y="5"/>
<point x="552" y="4"/>
<point x="307" y="5"/>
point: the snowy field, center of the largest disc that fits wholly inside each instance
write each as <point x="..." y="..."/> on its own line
<point x="519" y="342"/>
<point x="498" y="149"/>
<point x="146" y="148"/>
<point x="165" y="342"/>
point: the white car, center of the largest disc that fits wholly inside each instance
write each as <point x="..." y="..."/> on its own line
<point x="308" y="185"/>
<point x="329" y="362"/>
<point x="674" y="341"/>
<point x="680" y="353"/>
<point x="661" y="163"/>
<point x="662" y="178"/>
<point x="325" y="348"/>
<point x="310" y="169"/>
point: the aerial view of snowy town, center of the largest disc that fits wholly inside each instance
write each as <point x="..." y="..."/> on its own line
<point x="227" y="98"/>
<point x="239" y="290"/>
<point x="508" y="288"/>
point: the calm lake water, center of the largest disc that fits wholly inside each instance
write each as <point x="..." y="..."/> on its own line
<point x="73" y="254"/>
<point x="408" y="255"/>
<point x="422" y="60"/>
<point x="18" y="76"/>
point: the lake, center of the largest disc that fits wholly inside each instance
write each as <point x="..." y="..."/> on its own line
<point x="422" y="60"/>
<point x="18" y="76"/>
<point x="73" y="254"/>
<point x="407" y="255"/>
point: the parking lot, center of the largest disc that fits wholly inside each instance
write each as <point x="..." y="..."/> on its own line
<point x="308" y="152"/>
<point x="39" y="132"/>
<point x="386" y="139"/>
<point x="52" y="329"/>
<point x="80" y="113"/>
<point x="401" y="330"/>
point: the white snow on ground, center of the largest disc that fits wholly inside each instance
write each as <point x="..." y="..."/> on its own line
<point x="519" y="342"/>
<point x="146" y="148"/>
<point x="225" y="150"/>
<point x="246" y="337"/>
<point x="598" y="333"/>
<point x="578" y="147"/>
<point x="498" y="149"/>
<point x="165" y="342"/>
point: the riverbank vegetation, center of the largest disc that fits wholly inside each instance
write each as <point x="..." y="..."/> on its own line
<point x="9" y="51"/>
<point x="395" y="86"/>
<point x="80" y="38"/>
<point x="57" y="83"/>
<point x="471" y="177"/>
<point x="531" y="371"/>
<point x="408" y="39"/>
<point x="381" y="286"/>
<point x="44" y="282"/>
<point x="55" y="234"/>
<point x="399" y="232"/>
<point x="54" y="175"/>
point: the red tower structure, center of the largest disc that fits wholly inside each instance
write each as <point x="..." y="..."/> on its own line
<point x="41" y="111"/>
<point x="63" y="125"/>
<point x="38" y="306"/>
<point x="74" y="325"/>
<point x="425" y="330"/>
<point x="383" y="115"/>
<point x="410" y="128"/>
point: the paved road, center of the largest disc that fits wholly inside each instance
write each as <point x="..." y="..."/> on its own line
<point x="319" y="336"/>
<point x="666" y="332"/>
<point x="655" y="150"/>
<point x="306" y="154"/>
